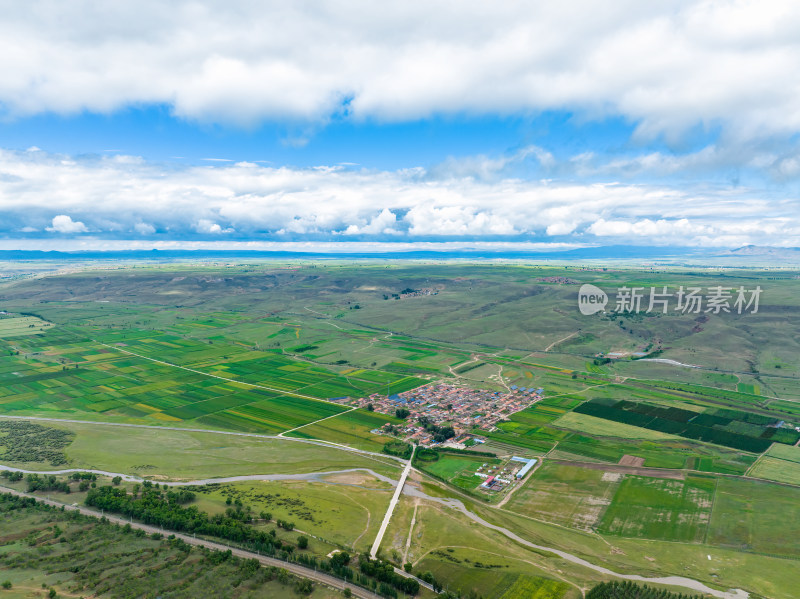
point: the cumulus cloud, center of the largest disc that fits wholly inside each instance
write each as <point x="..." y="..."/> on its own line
<point x="144" y="228"/>
<point x="207" y="226"/>
<point x="64" y="224"/>
<point x="666" y="66"/>
<point x="114" y="197"/>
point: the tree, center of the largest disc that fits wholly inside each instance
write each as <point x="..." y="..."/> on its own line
<point x="370" y="408"/>
<point x="302" y="542"/>
<point x="408" y="566"/>
<point x="116" y="480"/>
<point x="348" y="592"/>
<point x="401" y="413"/>
<point x="7" y="584"/>
<point x="304" y="586"/>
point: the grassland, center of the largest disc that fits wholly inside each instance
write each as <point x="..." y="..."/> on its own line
<point x="671" y="510"/>
<point x="599" y="427"/>
<point x="756" y="516"/>
<point x="567" y="495"/>
<point x="187" y="455"/>
<point x="144" y="345"/>
<point x="76" y="556"/>
<point x="344" y="512"/>
<point x="459" y="470"/>
<point x="22" y="325"/>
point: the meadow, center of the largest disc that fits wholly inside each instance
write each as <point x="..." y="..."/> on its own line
<point x="47" y="551"/>
<point x="262" y="347"/>
<point x="187" y="455"/>
<point x="671" y="510"/>
<point x="344" y="512"/>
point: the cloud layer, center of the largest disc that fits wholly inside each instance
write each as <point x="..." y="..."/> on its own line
<point x="47" y="196"/>
<point x="666" y="66"/>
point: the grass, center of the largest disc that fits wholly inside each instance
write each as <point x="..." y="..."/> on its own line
<point x="22" y="325"/>
<point x="458" y="470"/>
<point x="670" y="510"/>
<point x="352" y="428"/>
<point x="777" y="469"/>
<point x="187" y="455"/>
<point x="597" y="426"/>
<point x="566" y="495"/>
<point x="43" y="549"/>
<point x="756" y="516"/>
<point x="346" y="512"/>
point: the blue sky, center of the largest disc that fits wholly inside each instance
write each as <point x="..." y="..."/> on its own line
<point x="558" y="125"/>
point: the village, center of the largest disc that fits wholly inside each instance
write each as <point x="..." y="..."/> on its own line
<point x="442" y="413"/>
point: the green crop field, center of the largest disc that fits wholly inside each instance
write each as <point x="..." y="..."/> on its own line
<point x="568" y="495"/>
<point x="460" y="470"/>
<point x="776" y="469"/>
<point x="671" y="510"/>
<point x="261" y="347"/>
<point x="22" y="325"/>
<point x="597" y="426"/>
<point x="756" y="516"/>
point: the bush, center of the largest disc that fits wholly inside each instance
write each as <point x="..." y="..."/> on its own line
<point x="302" y="542"/>
<point x="7" y="584"/>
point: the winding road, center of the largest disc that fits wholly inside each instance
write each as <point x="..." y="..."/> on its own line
<point x="400" y="488"/>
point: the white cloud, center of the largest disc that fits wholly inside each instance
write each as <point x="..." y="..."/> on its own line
<point x="382" y="224"/>
<point x="64" y="224"/>
<point x="665" y="66"/>
<point x="250" y="202"/>
<point x="144" y="228"/>
<point x="207" y="226"/>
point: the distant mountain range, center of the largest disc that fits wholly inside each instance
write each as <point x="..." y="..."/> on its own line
<point x="746" y="255"/>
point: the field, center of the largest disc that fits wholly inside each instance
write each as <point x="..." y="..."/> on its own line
<point x="756" y="516"/>
<point x="227" y="388"/>
<point x="352" y="428"/>
<point x="597" y="426"/>
<point x="459" y="470"/>
<point x="263" y="347"/>
<point x="671" y="510"/>
<point x="566" y="495"/>
<point x="22" y="325"/>
<point x="776" y="469"/>
<point x="187" y="455"/>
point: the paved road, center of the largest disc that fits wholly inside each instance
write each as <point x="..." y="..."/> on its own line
<point x="297" y="569"/>
<point x="395" y="498"/>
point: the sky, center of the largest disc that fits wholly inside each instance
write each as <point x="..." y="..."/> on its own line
<point x="554" y="124"/>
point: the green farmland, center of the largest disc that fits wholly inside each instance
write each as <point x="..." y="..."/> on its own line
<point x="647" y="468"/>
<point x="166" y="380"/>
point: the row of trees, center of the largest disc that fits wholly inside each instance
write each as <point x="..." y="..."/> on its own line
<point x="162" y="508"/>
<point x="384" y="572"/>
<point x="630" y="590"/>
